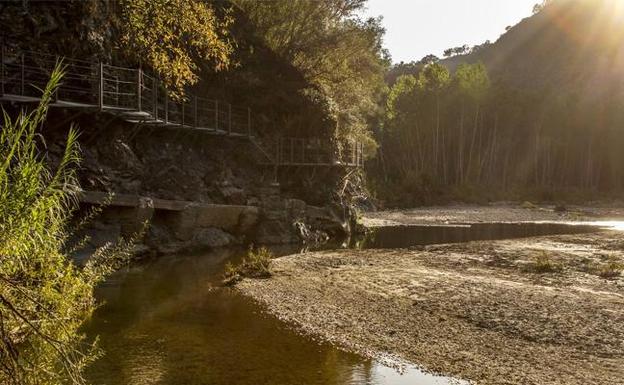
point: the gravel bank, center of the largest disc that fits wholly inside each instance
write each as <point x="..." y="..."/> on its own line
<point x="528" y="311"/>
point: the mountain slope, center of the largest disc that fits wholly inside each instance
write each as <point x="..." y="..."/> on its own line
<point x="571" y="45"/>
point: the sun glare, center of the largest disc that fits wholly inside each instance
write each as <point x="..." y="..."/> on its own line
<point x="617" y="10"/>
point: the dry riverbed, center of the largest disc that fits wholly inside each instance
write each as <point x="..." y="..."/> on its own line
<point x="544" y="310"/>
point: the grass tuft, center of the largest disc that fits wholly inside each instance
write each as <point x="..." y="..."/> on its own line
<point x="612" y="268"/>
<point x="255" y="265"/>
<point x="543" y="263"/>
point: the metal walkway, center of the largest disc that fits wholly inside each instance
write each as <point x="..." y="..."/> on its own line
<point x="306" y="152"/>
<point x="138" y="97"/>
<point x="132" y="94"/>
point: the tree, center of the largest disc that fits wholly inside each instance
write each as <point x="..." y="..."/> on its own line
<point x="471" y="83"/>
<point x="404" y="85"/>
<point x="339" y="54"/>
<point x="461" y="50"/>
<point x="434" y="78"/>
<point x="172" y="35"/>
<point x="429" y="59"/>
<point x="537" y="8"/>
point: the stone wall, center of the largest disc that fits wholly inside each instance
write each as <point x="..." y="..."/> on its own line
<point x="177" y="226"/>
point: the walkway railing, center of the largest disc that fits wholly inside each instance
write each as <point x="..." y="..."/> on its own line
<point x="316" y="152"/>
<point x="138" y="97"/>
<point x="131" y="93"/>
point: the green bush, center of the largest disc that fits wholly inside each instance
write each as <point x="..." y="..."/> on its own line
<point x="255" y="265"/>
<point x="44" y="297"/>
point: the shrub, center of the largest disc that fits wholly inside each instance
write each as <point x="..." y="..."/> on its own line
<point x="44" y="297"/>
<point x="255" y="265"/>
<point x="542" y="263"/>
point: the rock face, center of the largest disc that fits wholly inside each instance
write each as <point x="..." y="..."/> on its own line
<point x="274" y="227"/>
<point x="179" y="226"/>
<point x="219" y="181"/>
<point x="292" y="220"/>
<point x="233" y="195"/>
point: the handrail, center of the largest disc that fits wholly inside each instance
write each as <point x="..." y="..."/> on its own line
<point x="140" y="97"/>
<point x="130" y="92"/>
<point x="291" y="151"/>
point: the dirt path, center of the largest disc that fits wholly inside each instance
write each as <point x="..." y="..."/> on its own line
<point x="529" y="311"/>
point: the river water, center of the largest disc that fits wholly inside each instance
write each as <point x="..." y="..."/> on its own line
<point x="169" y="321"/>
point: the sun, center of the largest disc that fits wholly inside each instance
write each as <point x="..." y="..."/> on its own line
<point x="617" y="10"/>
<point x="614" y="9"/>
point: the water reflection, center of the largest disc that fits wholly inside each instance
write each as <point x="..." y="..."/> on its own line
<point x="611" y="225"/>
<point x="168" y="322"/>
<point x="418" y="235"/>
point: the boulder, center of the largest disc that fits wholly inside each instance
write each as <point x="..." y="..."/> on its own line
<point x="233" y="195"/>
<point x="120" y="156"/>
<point x="212" y="237"/>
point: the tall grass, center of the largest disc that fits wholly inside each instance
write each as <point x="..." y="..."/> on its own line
<point x="44" y="297"/>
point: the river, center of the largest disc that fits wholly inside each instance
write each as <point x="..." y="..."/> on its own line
<point x="170" y="321"/>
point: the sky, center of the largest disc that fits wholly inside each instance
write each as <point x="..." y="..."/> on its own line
<point x="416" y="28"/>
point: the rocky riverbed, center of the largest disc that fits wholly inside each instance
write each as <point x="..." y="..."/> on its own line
<point x="542" y="310"/>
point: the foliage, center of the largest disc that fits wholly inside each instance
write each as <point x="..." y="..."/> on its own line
<point x="540" y="120"/>
<point x="418" y="129"/>
<point x="412" y="68"/>
<point x="467" y="132"/>
<point x="171" y="36"/>
<point x="44" y="297"/>
<point x="461" y="50"/>
<point x="539" y="7"/>
<point x="255" y="265"/>
<point x="542" y="263"/>
<point x="339" y="54"/>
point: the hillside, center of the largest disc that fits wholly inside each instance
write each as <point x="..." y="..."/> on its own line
<point x="571" y="45"/>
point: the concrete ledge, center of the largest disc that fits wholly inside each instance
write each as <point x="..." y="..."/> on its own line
<point x="185" y="217"/>
<point x="233" y="219"/>
<point x="129" y="200"/>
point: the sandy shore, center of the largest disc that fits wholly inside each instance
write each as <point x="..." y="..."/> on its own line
<point x="527" y="311"/>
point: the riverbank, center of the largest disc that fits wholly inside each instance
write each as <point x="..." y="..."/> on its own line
<point x="543" y="310"/>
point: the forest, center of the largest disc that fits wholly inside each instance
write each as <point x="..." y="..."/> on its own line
<point x="509" y="120"/>
<point x="466" y="134"/>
